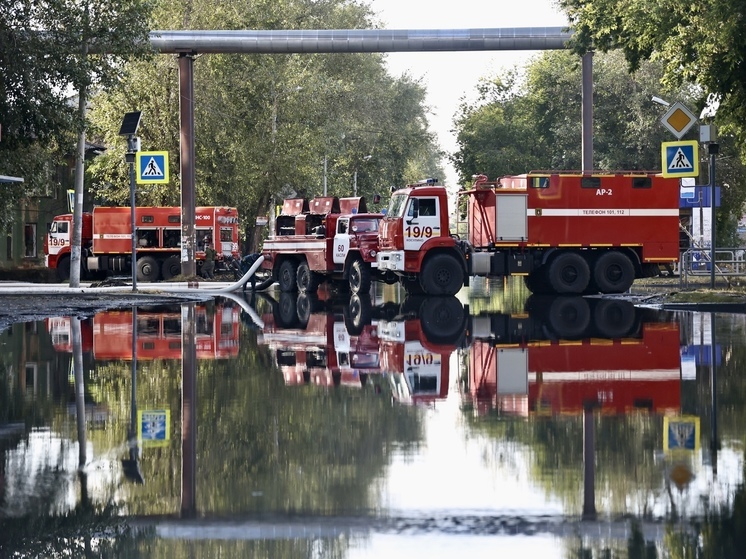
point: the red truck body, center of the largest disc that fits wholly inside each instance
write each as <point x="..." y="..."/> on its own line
<point x="106" y="243"/>
<point x="108" y="335"/>
<point x="639" y="371"/>
<point x="565" y="233"/>
<point x="326" y="239"/>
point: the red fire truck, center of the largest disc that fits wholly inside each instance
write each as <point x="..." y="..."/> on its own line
<point x="106" y="244"/>
<point x="315" y="344"/>
<point x="565" y="233"/>
<point x="570" y="353"/>
<point x="108" y="335"/>
<point x="329" y="239"/>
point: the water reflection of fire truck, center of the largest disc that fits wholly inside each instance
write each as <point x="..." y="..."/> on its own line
<point x="568" y="353"/>
<point x="559" y="355"/>
<point x="108" y="335"/>
<point x="315" y="343"/>
<point x="416" y="347"/>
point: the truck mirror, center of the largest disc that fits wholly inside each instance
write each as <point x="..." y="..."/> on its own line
<point x="414" y="208"/>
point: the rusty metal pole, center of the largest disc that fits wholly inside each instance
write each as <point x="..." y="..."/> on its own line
<point x="186" y="115"/>
<point x="188" y="412"/>
<point x="589" y="463"/>
<point x="587" y="112"/>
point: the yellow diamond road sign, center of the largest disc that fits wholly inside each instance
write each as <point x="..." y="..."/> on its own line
<point x="678" y="119"/>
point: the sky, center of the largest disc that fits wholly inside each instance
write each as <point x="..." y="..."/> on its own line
<point x="449" y="76"/>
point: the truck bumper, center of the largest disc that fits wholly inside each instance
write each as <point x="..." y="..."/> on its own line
<point x="391" y="260"/>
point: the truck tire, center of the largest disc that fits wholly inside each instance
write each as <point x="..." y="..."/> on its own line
<point x="359" y="277"/>
<point x="358" y="314"/>
<point x="569" y="317"/>
<point x="287" y="276"/>
<point x="287" y="311"/>
<point x="569" y="274"/>
<point x="613" y="272"/>
<point x="305" y="306"/>
<point x="442" y="275"/>
<point x="307" y="280"/>
<point x="171" y="267"/>
<point x="614" y="319"/>
<point x="63" y="268"/>
<point x="148" y="269"/>
<point x="443" y="320"/>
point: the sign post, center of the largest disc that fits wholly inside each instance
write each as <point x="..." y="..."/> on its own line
<point x="130" y="123"/>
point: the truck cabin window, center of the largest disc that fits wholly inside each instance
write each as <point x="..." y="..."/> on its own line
<point x="397" y="205"/>
<point x="427" y="207"/>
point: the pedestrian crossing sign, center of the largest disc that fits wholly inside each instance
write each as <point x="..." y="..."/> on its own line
<point x="154" y="427"/>
<point x="680" y="159"/>
<point x="152" y="166"/>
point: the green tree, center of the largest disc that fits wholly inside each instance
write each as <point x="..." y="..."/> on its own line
<point x="700" y="43"/>
<point x="42" y="59"/>
<point x="265" y="123"/>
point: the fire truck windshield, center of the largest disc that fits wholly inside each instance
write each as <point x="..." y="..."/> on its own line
<point x="364" y="225"/>
<point x="397" y="205"/>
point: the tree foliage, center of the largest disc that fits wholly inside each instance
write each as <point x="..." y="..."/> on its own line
<point x="699" y="43"/>
<point x="42" y="58"/>
<point x="265" y="123"/>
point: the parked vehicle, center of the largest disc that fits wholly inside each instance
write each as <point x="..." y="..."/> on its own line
<point x="564" y="233"/>
<point x="329" y="239"/>
<point x="106" y="243"/>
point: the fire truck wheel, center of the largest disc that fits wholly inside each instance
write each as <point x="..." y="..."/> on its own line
<point x="613" y="273"/>
<point x="306" y="304"/>
<point x="569" y="317"/>
<point x="287" y="276"/>
<point x="63" y="268"/>
<point x="308" y="280"/>
<point x="357" y="314"/>
<point x="614" y="319"/>
<point x="443" y="319"/>
<point x="287" y="311"/>
<point x="359" y="277"/>
<point x="442" y="275"/>
<point x="171" y="267"/>
<point x="148" y="269"/>
<point x="569" y="273"/>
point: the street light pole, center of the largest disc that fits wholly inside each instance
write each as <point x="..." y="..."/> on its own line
<point x="713" y="149"/>
<point x="130" y="124"/>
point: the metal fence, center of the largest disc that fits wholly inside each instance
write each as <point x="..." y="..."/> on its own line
<point x="696" y="263"/>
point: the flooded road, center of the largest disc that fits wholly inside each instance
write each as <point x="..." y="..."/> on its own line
<point x="493" y="424"/>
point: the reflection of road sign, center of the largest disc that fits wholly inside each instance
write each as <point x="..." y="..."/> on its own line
<point x="154" y="427"/>
<point x="152" y="166"/>
<point x="678" y="119"/>
<point x="680" y="433"/>
<point x="680" y="159"/>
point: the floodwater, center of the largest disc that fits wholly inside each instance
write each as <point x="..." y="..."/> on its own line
<point x="492" y="424"/>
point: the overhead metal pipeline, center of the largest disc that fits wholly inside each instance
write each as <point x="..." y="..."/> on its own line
<point x="358" y="40"/>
